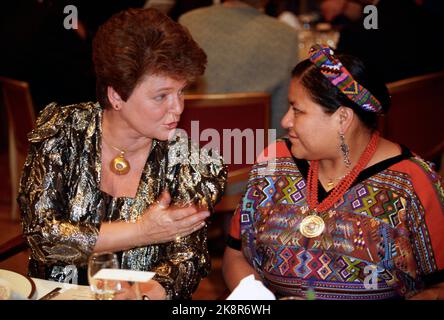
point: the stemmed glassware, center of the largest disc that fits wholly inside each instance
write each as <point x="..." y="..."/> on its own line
<point x="103" y="289"/>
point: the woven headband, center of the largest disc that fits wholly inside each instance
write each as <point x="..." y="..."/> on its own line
<point x="323" y="58"/>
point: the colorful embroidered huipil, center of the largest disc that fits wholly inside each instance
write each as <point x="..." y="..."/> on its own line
<point x="383" y="239"/>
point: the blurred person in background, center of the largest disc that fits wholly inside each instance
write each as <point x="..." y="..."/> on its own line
<point x="247" y="50"/>
<point x="55" y="61"/>
<point x="285" y="10"/>
<point x="408" y="24"/>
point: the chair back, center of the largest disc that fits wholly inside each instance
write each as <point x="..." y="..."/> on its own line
<point x="20" y="110"/>
<point x="416" y="117"/>
<point x="16" y="97"/>
<point x="12" y="246"/>
<point x="241" y="121"/>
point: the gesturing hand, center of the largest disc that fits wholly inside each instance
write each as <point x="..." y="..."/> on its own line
<point x="163" y="222"/>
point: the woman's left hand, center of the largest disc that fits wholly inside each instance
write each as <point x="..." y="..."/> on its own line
<point x="151" y="290"/>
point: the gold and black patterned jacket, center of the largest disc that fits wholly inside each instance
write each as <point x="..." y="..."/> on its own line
<point x="63" y="207"/>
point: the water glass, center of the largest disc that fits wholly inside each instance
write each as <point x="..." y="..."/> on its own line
<point x="103" y="289"/>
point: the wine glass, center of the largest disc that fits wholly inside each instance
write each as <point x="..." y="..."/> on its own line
<point x="103" y="289"/>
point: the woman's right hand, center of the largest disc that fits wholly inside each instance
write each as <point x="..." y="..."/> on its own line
<point x="162" y="222"/>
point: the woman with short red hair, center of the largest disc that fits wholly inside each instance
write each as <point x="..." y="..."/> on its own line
<point x="111" y="176"/>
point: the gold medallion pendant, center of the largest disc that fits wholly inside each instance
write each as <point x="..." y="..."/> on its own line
<point x="119" y="165"/>
<point x="312" y="226"/>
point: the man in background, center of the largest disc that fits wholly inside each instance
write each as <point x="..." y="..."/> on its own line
<point x="247" y="51"/>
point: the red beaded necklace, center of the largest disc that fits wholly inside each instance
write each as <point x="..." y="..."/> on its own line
<point x="344" y="184"/>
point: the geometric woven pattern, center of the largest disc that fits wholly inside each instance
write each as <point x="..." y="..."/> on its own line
<point x="379" y="223"/>
<point x="330" y="67"/>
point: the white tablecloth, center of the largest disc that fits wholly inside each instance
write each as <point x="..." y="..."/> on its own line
<point x="45" y="286"/>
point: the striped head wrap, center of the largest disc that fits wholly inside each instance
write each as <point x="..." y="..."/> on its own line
<point x="330" y="66"/>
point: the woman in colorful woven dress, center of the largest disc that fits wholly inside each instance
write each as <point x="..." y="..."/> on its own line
<point x="338" y="212"/>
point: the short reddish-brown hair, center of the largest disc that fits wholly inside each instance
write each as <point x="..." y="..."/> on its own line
<point x="139" y="42"/>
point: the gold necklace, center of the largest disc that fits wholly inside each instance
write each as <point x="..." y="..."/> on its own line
<point x="313" y="225"/>
<point x="118" y="165"/>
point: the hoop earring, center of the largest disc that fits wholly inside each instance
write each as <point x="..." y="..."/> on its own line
<point x="345" y="150"/>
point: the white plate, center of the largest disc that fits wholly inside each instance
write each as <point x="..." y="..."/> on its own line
<point x="22" y="285"/>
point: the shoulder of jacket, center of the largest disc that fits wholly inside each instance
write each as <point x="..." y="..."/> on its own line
<point x="55" y="118"/>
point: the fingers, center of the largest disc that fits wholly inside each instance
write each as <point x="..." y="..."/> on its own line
<point x="190" y="224"/>
<point x="164" y="200"/>
<point x="166" y="222"/>
<point x="190" y="214"/>
<point x="193" y="228"/>
<point x="187" y="231"/>
<point x="198" y="217"/>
